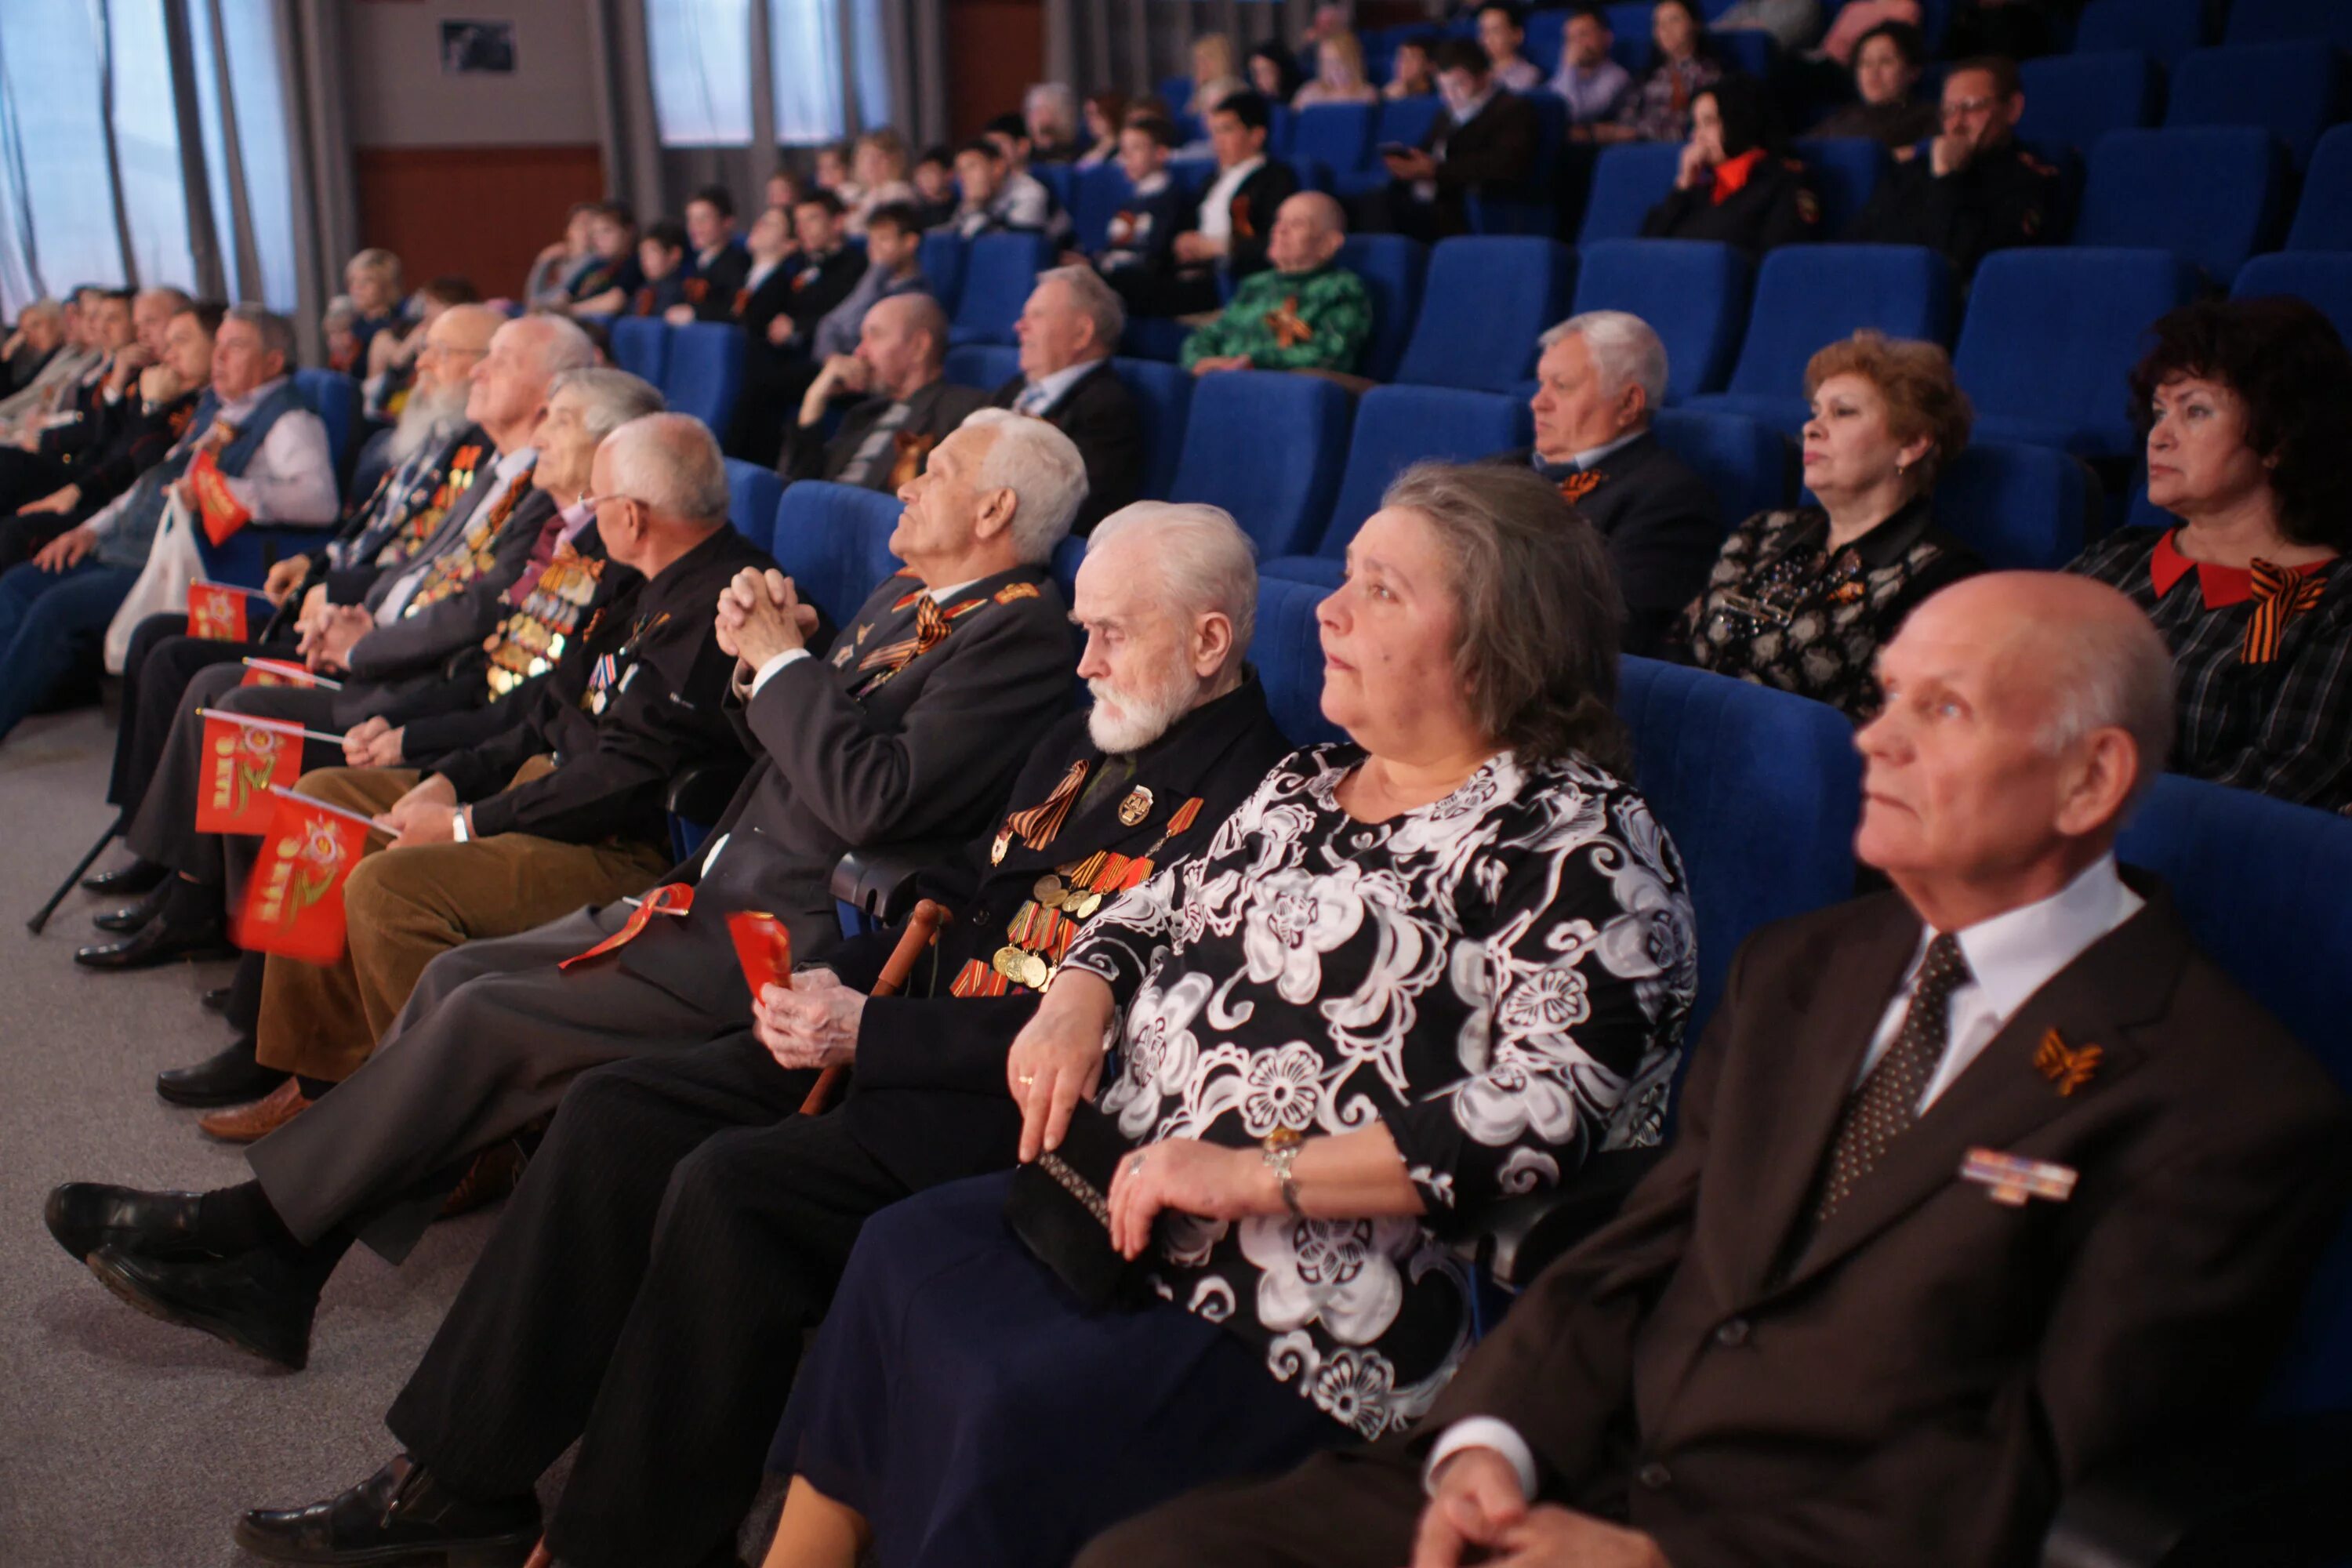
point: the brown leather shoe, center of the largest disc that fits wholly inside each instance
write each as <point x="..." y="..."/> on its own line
<point x="251" y="1123"/>
<point x="492" y="1175"/>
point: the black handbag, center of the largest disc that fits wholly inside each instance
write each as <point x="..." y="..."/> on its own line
<point x="1059" y="1205"/>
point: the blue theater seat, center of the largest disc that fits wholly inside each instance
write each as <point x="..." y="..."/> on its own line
<point x="1750" y="467"/>
<point x="1692" y="292"/>
<point x="705" y="371"/>
<point x="986" y="366"/>
<point x="2323" y="277"/>
<point x="1532" y="207"/>
<point x="2023" y="507"/>
<point x="2163" y="29"/>
<point x="752" y="492"/>
<point x="1808" y="296"/>
<point x="1163" y="394"/>
<point x="2323" y="221"/>
<point x="1287" y="651"/>
<point x="1393" y="268"/>
<point x="641" y="346"/>
<point x="1401" y="119"/>
<point x="1629" y="30"/>
<point x="1488" y="297"/>
<point x="2212" y="194"/>
<point x="942" y="259"/>
<point x="2292" y="90"/>
<point x="1338" y="135"/>
<point x="1842" y="171"/>
<point x="1747" y="51"/>
<point x="2051" y="335"/>
<point x="1268" y="448"/>
<point x="832" y="540"/>
<point x="1097" y="193"/>
<point x="2289" y="21"/>
<point x="334" y="397"/>
<point x="998" y="271"/>
<point x="1547" y="35"/>
<point x="2072" y="100"/>
<point x="1397" y="427"/>
<point x="1628" y="180"/>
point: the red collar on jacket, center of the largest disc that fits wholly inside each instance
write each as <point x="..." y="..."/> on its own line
<point x="2221" y="585"/>
<point x="1731" y="177"/>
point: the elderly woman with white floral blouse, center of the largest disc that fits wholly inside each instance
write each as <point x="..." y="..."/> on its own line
<point x="1409" y="976"/>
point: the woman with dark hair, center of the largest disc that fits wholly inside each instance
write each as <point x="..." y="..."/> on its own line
<point x="1887" y="63"/>
<point x="1660" y="107"/>
<point x="1733" y="186"/>
<point x="1412" y="70"/>
<point x="1442" y="962"/>
<point x="1105" y="113"/>
<point x="1274" y="73"/>
<point x="2248" y="408"/>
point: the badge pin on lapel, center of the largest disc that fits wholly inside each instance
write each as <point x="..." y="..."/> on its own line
<point x="2063" y="1065"/>
<point x="2008" y="1179"/>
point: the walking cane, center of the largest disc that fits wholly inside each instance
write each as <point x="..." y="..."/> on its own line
<point x="112" y="831"/>
<point x="921" y="926"/>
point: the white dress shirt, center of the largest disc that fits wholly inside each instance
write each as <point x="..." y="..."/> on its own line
<point x="1216" y="222"/>
<point x="405" y="586"/>
<point x="1592" y="455"/>
<point x="2010" y="957"/>
<point x="290" y="478"/>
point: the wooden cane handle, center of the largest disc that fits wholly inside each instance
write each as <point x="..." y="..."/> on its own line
<point x="921" y="927"/>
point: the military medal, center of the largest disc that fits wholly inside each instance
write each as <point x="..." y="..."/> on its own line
<point x="1048" y="892"/>
<point x="1135" y="807"/>
<point x="2063" y="1065"/>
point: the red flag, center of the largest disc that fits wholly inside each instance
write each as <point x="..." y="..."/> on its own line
<point x="275" y="672"/>
<point x="241" y="762"/>
<point x="763" y="947"/>
<point x="222" y="513"/>
<point x="294" y="905"/>
<point x="215" y="614"/>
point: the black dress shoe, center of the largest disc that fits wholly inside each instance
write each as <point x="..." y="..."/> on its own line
<point x="133" y="917"/>
<point x="160" y="941"/>
<point x="254" y="1301"/>
<point x="86" y="1215"/>
<point x="217" y="999"/>
<point x="138" y="877"/>
<point x="232" y="1077"/>
<point x="399" y="1515"/>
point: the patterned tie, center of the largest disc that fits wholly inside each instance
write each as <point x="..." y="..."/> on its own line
<point x="2281" y="593"/>
<point x="1887" y="1103"/>
<point x="1033" y="399"/>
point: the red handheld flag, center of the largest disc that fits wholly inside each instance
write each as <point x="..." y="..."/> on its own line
<point x="763" y="947"/>
<point x="294" y="905"/>
<point x="219" y="508"/>
<point x="215" y="614"/>
<point x="241" y="762"/>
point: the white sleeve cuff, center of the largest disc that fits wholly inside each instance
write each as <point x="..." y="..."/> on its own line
<point x="1483" y="1432"/>
<point x="768" y="669"/>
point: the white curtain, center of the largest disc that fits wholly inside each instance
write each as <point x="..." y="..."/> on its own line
<point x="699" y="56"/>
<point x="146" y="122"/>
<point x="62" y="231"/>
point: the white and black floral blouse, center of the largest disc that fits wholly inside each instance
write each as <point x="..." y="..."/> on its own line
<point x="1499" y="978"/>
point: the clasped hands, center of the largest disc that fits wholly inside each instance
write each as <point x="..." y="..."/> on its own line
<point x="372" y="744"/>
<point x="1476" y="1504"/>
<point x="425" y="814"/>
<point x="329" y="632"/>
<point x="761" y="615"/>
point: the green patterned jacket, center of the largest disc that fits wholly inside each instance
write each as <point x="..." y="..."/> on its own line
<point x="1297" y="320"/>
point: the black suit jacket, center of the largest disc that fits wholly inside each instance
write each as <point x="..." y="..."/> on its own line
<point x="1663" y="527"/>
<point x="1773" y="207"/>
<point x="1922" y="1379"/>
<point x="1154" y="222"/>
<point x="927" y="1097"/>
<point x="1251" y="210"/>
<point x="1495" y="151"/>
<point x="932" y="413"/>
<point x="1098" y="414"/>
<point x="2006" y="197"/>
<point x="711" y="290"/>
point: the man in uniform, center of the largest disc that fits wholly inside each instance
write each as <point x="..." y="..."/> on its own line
<point x="1305" y="313"/>
<point x="901" y="353"/>
<point x="911" y="728"/>
<point x="1975" y="190"/>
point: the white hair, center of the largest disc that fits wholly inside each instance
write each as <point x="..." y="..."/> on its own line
<point x="2109" y="672"/>
<point x="1060" y="95"/>
<point x="558" y="341"/>
<point x="1206" y="561"/>
<point x="669" y="464"/>
<point x="608" y="398"/>
<point x="1625" y="352"/>
<point x="1099" y="301"/>
<point x="1042" y="470"/>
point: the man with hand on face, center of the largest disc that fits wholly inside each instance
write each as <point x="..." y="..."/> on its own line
<point x="909" y="406"/>
<point x="1068" y="331"/>
<point x="912" y="726"/>
<point x="1976" y="190"/>
<point x="1302" y="313"/>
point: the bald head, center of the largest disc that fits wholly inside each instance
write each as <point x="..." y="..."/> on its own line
<point x="466" y="327"/>
<point x="1308" y="230"/>
<point x="511" y="383"/>
<point x="661" y="486"/>
<point x="904" y="340"/>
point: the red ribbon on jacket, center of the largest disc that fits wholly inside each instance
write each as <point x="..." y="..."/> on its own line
<point x="669" y="898"/>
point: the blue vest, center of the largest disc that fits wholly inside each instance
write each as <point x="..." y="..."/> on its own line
<point x="133" y="533"/>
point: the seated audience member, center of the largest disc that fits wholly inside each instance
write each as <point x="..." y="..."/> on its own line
<point x="1502" y="34"/>
<point x="1142" y="233"/>
<point x="1807" y="1338"/>
<point x="1601" y="377"/>
<point x="1412" y="69"/>
<point x="1856" y="21"/>
<point x="1485" y="141"/>
<point x="832" y="171"/>
<point x="768" y="1200"/>
<point x="372" y="283"/>
<point x="1274" y="73"/>
<point x="894" y="266"/>
<point x="905" y="731"/>
<point x="42" y="455"/>
<point x="1594" y="86"/>
<point x="907" y="407"/>
<point x="782" y="191"/>
<point x="38" y="336"/>
<point x="1305" y="313"/>
<point x="25" y="408"/>
<point x="1339" y="74"/>
<point x="605" y="287"/>
<point x="1105" y="113"/>
<point x="661" y="262"/>
<point x="1383" y="1076"/>
<point x="337" y="329"/>
<point x="1216" y="73"/>
<point x="1791" y="23"/>
<point x="1975" y="190"/>
<point x="548" y="282"/>
<point x="1803" y="599"/>
<point x="1050" y="110"/>
<point x="880" y="162"/>
<point x="1733" y="186"/>
<point x="1683" y="64"/>
<point x="720" y="263"/>
<point x="997" y="197"/>
<point x="270" y="456"/>
<point x="1067" y="331"/>
<point x="1230" y="223"/>
<point x="2248" y="405"/>
<point x="1886" y="67"/>
<point x="780" y="318"/>
<point x="936" y="199"/>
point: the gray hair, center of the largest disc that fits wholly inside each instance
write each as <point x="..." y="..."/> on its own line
<point x="277" y="332"/>
<point x="560" y="343"/>
<point x="44" y="307"/>
<point x="2109" y="672"/>
<point x="1042" y="470"/>
<point x="670" y="464"/>
<point x="608" y="398"/>
<point x="1097" y="298"/>
<point x="1061" y="95"/>
<point x="339" y="309"/>
<point x="1207" y="561"/>
<point x="1625" y="352"/>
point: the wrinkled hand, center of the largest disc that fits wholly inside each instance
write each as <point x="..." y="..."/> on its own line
<point x="1949" y="153"/>
<point x="1210" y="364"/>
<point x="285" y="577"/>
<point x="1057" y="1058"/>
<point x="761" y="615"/>
<point x="67" y="550"/>
<point x="314" y="608"/>
<point x="424" y="816"/>
<point x="159" y="384"/>
<point x="1475" y="1503"/>
<point x="1189" y="1176"/>
<point x="60" y="501"/>
<point x="328" y="645"/>
<point x="1191" y="247"/>
<point x="128" y="365"/>
<point x="374" y="743"/>
<point x="811" y="1024"/>
<point x="1556" y="1537"/>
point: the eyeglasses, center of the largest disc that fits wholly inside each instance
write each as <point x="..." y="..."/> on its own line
<point x="1959" y="109"/>
<point x="595" y="502"/>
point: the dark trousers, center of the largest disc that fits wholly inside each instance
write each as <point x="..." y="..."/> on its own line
<point x="1148" y="292"/>
<point x="22" y="535"/>
<point x="52" y="627"/>
<point x="1355" y="1508"/>
<point x="155" y="674"/>
<point x="29" y="476"/>
<point x="164" y="827"/>
<point x="677" y="1233"/>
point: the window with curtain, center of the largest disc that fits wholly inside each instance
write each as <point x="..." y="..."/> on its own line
<point x="52" y="61"/>
<point x="806" y="67"/>
<point x="699" y="54"/>
<point x="147" y="144"/>
<point x="241" y="105"/>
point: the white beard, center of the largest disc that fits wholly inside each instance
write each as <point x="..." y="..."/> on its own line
<point x="1125" y="722"/>
<point x="426" y="417"/>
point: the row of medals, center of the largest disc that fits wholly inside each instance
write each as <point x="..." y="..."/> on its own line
<point x="1058" y="905"/>
<point x="532" y="640"/>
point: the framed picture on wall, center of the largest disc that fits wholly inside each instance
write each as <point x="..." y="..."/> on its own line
<point x="469" y="48"/>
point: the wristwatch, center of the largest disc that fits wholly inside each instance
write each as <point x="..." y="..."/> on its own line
<point x="1280" y="1150"/>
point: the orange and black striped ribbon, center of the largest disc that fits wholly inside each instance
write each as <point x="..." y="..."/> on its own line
<point x="930" y="630"/>
<point x="1038" y="824"/>
<point x="2281" y="593"/>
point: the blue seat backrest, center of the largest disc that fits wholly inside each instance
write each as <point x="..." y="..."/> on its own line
<point x="1748" y="464"/>
<point x="1397" y="427"/>
<point x="1338" y="134"/>
<point x="1192" y="175"/>
<point x="1406" y="120"/>
<point x="998" y="271"/>
<point x="2292" y="90"/>
<point x="1628" y="180"/>
<point x="2023" y="508"/>
<point x="1096" y="193"/>
<point x="1747" y="51"/>
<point x="1163" y="395"/>
<point x="983" y="365"/>
<point x="942" y="259"/>
<point x="1808" y="296"/>
<point x="641" y="346"/>
<point x="1394" y="268"/>
<point x="2213" y="194"/>
<point x="1268" y="448"/>
<point x="1692" y="292"/>
<point x="334" y="397"/>
<point x="825" y="539"/>
<point x="2287" y="21"/>
<point x="705" y="372"/>
<point x="2260" y="884"/>
<point x="2164" y="29"/>
<point x="2323" y="219"/>
<point x="1547" y="35"/>
<point x="1629" y="27"/>
<point x="1287" y="651"/>
<point x="1486" y="300"/>
<point x="2072" y="100"/>
<point x="2320" y="277"/>
<point x="1057" y="178"/>
<point x="752" y="492"/>
<point x="1843" y="171"/>
<point x="1715" y="757"/>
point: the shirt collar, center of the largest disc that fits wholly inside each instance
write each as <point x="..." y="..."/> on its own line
<point x="2015" y="953"/>
<point x="1152" y="183"/>
<point x="1592" y="455"/>
<point x="2221" y="586"/>
<point x="1058" y="385"/>
<point x="233" y="412"/>
<point x="574" y="517"/>
<point x="940" y="596"/>
<point x="1475" y="107"/>
<point x="1241" y="172"/>
<point x="515" y="462"/>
